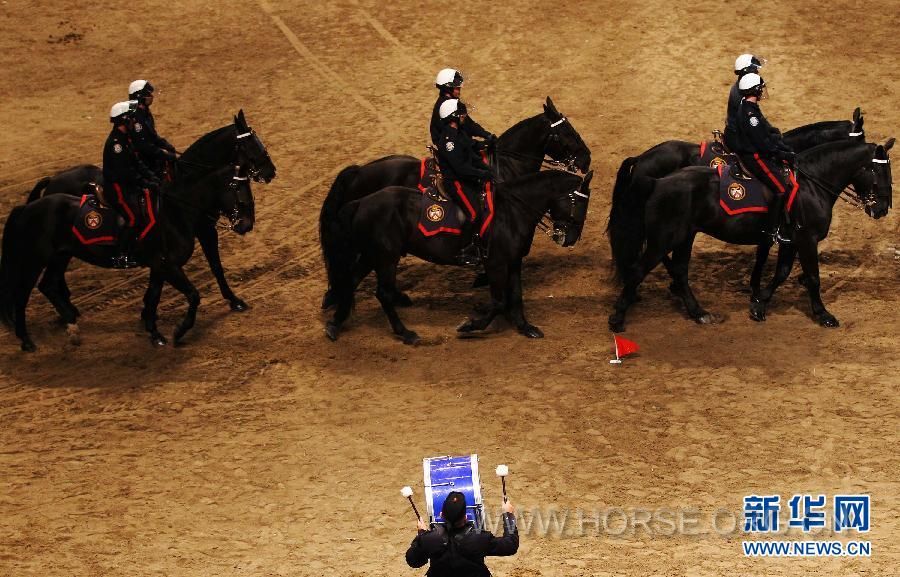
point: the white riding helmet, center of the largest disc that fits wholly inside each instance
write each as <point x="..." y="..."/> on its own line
<point x="750" y="81"/>
<point x="121" y="108"/>
<point x="139" y="88"/>
<point x="448" y="78"/>
<point x="449" y="108"/>
<point x="748" y="63"/>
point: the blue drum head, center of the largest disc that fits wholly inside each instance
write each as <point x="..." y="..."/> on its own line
<point x="443" y="475"/>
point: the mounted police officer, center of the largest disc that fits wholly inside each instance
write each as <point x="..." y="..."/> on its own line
<point x="155" y="150"/>
<point x="458" y="548"/>
<point x="125" y="178"/>
<point x="449" y="82"/>
<point x="764" y="152"/>
<point x="743" y="65"/>
<point x="461" y="164"/>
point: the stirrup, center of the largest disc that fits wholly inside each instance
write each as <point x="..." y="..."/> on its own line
<point x="778" y="237"/>
<point x="124" y="261"/>
<point x="470" y="256"/>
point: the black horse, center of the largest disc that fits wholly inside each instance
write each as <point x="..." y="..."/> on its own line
<point x="39" y="236"/>
<point x="520" y="150"/>
<point x="655" y="217"/>
<point x="380" y="228"/>
<point x="667" y="157"/>
<point x="233" y="144"/>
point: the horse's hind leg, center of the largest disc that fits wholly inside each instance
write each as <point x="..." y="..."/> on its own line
<point x="209" y="242"/>
<point x="634" y="277"/>
<point x="21" y="295"/>
<point x="515" y="305"/>
<point x="499" y="280"/>
<point x="678" y="268"/>
<point x="53" y="286"/>
<point x="759" y="301"/>
<point x="387" y="295"/>
<point x="361" y="270"/>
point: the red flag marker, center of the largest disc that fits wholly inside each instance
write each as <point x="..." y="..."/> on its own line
<point x="623" y="348"/>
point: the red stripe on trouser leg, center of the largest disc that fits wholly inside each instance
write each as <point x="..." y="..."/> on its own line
<point x="794" y="190"/>
<point x="465" y="199"/>
<point x="150" y="215"/>
<point x="489" y="194"/>
<point x="123" y="204"/>
<point x="775" y="181"/>
<point x="702" y="148"/>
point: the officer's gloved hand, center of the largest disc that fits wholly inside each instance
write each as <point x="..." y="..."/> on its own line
<point x="790" y="158"/>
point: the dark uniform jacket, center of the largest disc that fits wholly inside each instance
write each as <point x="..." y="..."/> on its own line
<point x="731" y="121"/>
<point x="755" y="134"/>
<point x="122" y="165"/>
<point x="461" y="552"/>
<point x="458" y="158"/>
<point x="150" y="145"/>
<point x="470" y="127"/>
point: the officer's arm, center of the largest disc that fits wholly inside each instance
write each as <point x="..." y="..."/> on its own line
<point x="758" y="135"/>
<point x="475" y="129"/>
<point x="147" y="178"/>
<point x="461" y="167"/>
<point x="509" y="543"/>
<point x="418" y="552"/>
<point x="163" y="143"/>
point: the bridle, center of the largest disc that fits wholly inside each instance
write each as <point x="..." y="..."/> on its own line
<point x="546" y="224"/>
<point x="856" y="200"/>
<point x="567" y="164"/>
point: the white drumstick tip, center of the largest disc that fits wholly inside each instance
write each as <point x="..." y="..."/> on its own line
<point x="406" y="491"/>
<point x="502" y="470"/>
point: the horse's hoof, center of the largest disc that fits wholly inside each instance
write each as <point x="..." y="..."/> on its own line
<point x="28" y="346"/>
<point x="403" y="300"/>
<point x="616" y="324"/>
<point x="411" y="338"/>
<point x="158" y="340"/>
<point x="708" y="319"/>
<point x="827" y="320"/>
<point x="332" y="331"/>
<point x="758" y="314"/>
<point x="482" y="308"/>
<point x="328" y="301"/>
<point x="238" y="305"/>
<point x="532" y="332"/>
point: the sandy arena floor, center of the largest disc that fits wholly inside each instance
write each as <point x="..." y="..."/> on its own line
<point x="261" y="448"/>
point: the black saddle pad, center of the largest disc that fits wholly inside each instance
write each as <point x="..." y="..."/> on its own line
<point x="439" y="217"/>
<point x="96" y="224"/>
<point x="740" y="196"/>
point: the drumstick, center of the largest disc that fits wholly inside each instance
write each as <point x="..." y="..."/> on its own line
<point x="407" y="492"/>
<point x="502" y="472"/>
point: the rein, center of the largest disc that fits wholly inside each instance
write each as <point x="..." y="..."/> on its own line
<point x="567" y="165"/>
<point x="213" y="215"/>
<point x="853" y="200"/>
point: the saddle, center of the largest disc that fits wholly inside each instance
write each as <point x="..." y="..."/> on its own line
<point x="740" y="192"/>
<point x="98" y="223"/>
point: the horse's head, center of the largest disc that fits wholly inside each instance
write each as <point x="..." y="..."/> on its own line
<point x="564" y="144"/>
<point x="252" y="152"/>
<point x="569" y="212"/>
<point x="879" y="200"/>
<point x="236" y="203"/>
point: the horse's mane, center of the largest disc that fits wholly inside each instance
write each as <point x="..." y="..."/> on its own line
<point x="204" y="140"/>
<point x="830" y="150"/>
<point x="520" y="125"/>
<point x="820" y="126"/>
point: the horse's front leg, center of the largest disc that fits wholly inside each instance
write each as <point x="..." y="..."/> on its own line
<point x="176" y="277"/>
<point x="209" y="242"/>
<point x="151" y="306"/>
<point x="499" y="280"/>
<point x="759" y="301"/>
<point x="516" y="306"/>
<point x="809" y="260"/>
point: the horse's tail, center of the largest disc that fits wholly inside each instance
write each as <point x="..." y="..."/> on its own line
<point x="38" y="190"/>
<point x="340" y="254"/>
<point x="626" y="216"/>
<point x="9" y="265"/>
<point x="329" y="216"/>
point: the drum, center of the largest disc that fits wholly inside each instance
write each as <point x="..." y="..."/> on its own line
<point x="446" y="474"/>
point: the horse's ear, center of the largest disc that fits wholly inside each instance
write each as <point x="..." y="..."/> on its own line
<point x="856" y="114"/>
<point x="587" y="180"/>
<point x="241" y="120"/>
<point x="889" y="143"/>
<point x="551" y="107"/>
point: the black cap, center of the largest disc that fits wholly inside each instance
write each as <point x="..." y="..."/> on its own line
<point x="454" y="507"/>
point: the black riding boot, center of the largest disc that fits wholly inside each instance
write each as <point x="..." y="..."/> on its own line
<point x="127" y="241"/>
<point x="779" y="220"/>
<point x="471" y="255"/>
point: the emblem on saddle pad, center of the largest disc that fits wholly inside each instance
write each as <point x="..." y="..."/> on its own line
<point x="737" y="191"/>
<point x="93" y="220"/>
<point x="435" y="213"/>
<point x="717" y="162"/>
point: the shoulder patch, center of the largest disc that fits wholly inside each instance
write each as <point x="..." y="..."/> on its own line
<point x="449" y="146"/>
<point x="117" y="148"/>
<point x="138" y="127"/>
<point x="754" y="121"/>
